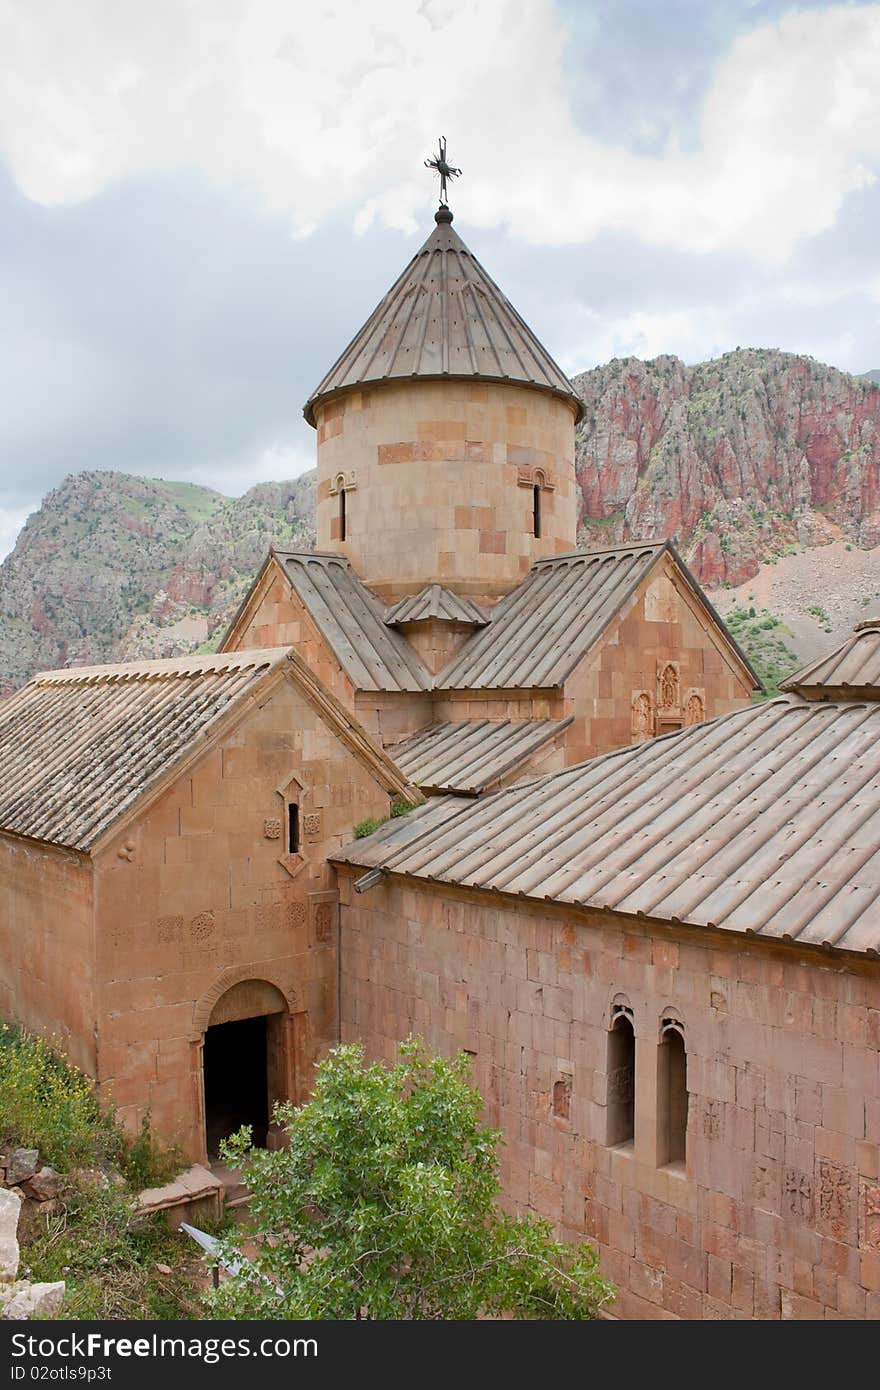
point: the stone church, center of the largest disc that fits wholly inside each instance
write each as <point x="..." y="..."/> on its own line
<point x="648" y="908"/>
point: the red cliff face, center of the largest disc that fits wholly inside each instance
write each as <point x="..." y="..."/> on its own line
<point x="737" y="459"/>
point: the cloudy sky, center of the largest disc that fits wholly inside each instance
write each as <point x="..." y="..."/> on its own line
<point x="201" y="201"/>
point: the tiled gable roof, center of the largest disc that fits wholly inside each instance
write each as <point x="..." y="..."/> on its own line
<point x="469" y="757"/>
<point x="440" y="604"/>
<point x="79" y="747"/>
<point x="352" y="620"/>
<point x="764" y="821"/>
<point x="545" y="627"/>
<point x="853" y="666"/>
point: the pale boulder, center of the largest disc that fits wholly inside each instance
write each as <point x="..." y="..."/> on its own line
<point x="10" y="1207"/>
<point x="21" y="1301"/>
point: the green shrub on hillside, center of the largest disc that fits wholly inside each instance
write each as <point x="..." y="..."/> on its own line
<point x="115" y="1263"/>
<point x="762" y="637"/>
<point x="47" y="1103"/>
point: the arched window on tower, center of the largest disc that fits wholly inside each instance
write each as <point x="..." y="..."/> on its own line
<point x="620" y="1093"/>
<point x="342" y="517"/>
<point x="672" y="1094"/>
<point x="536" y="510"/>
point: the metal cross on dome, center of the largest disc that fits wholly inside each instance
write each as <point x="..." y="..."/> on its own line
<point x="439" y="164"/>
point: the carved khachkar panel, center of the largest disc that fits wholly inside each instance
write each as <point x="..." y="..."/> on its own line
<point x="765" y="1183"/>
<point x="270" y="916"/>
<point x="562" y="1097"/>
<point x="324" y="918"/>
<point x="312" y="825"/>
<point x="668" y="685"/>
<point x="272" y="828"/>
<point x="835" y="1198"/>
<point x="695" y="707"/>
<point x="297" y="914"/>
<point x="642" y="715"/>
<point x="202" y="926"/>
<point x="797" y="1191"/>
<point x="713" y="1119"/>
<point x="869" y="1215"/>
<point x="169" y="929"/>
<point x="621" y="1086"/>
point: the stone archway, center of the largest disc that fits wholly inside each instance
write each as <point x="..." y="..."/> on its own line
<point x="245" y="1056"/>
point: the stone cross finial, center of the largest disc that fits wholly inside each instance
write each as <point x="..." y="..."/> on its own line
<point x="439" y="164"/>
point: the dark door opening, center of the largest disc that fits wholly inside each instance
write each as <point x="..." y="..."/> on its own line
<point x="236" y="1083"/>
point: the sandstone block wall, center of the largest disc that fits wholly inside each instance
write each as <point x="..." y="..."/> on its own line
<point x="662" y="625"/>
<point x="199" y="894"/>
<point x="47" y="947"/>
<point x="776" y="1213"/>
<point x="438" y="479"/>
<point x="277" y="617"/>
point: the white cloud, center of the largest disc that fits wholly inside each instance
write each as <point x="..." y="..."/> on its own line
<point x="333" y="106"/>
<point x="11" y="521"/>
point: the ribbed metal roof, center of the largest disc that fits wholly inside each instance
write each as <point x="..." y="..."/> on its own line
<point x="541" y="631"/>
<point x="545" y="627"/>
<point x="764" y="821"/>
<point x="469" y="757"/>
<point x="79" y="747"/>
<point x="352" y="620"/>
<point x="444" y="317"/>
<point x="854" y="666"/>
<point x="438" y="603"/>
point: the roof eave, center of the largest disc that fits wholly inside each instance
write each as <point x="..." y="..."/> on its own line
<point x="572" y="399"/>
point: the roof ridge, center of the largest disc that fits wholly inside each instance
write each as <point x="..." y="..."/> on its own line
<point x="186" y="664"/>
<point x="586" y="551"/>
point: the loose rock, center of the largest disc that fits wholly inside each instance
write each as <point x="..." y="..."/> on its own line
<point x="10" y="1206"/>
<point x="20" y="1165"/>
<point x="25" y="1300"/>
<point x="44" y="1185"/>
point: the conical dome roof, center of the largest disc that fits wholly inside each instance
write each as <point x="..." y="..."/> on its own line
<point x="444" y="317"/>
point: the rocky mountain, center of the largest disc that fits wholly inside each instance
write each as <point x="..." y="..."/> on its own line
<point x="871" y="376"/>
<point x="763" y="466"/>
<point x="742" y="459"/>
<point x="113" y="567"/>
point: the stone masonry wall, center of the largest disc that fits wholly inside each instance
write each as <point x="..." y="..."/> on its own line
<point x="777" y="1211"/>
<point x="199" y="893"/>
<point x="439" y="478"/>
<point x="47" y="948"/>
<point x="660" y="626"/>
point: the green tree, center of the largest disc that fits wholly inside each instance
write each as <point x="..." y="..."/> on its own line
<point x="383" y="1205"/>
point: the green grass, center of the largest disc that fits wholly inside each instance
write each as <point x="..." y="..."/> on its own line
<point x="199" y="503"/>
<point x="109" y="1259"/>
<point x="762" y="637"/>
<point x="91" y="1237"/>
<point x="366" y="827"/>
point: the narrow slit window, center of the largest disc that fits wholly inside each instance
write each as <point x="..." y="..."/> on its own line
<point x="293" y="828"/>
<point x="536" y="511"/>
<point x="672" y="1109"/>
<point x="342" y="517"/>
<point x="621" y="1088"/>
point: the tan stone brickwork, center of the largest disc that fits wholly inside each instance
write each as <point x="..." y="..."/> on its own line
<point x="775" y="1214"/>
<point x="208" y="892"/>
<point x="438" y="497"/>
<point x="124" y="957"/>
<point x="276" y="616"/>
<point x="47" y="947"/>
<point x="661" y="624"/>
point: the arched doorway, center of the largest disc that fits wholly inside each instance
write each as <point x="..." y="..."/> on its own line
<point x="245" y="1062"/>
